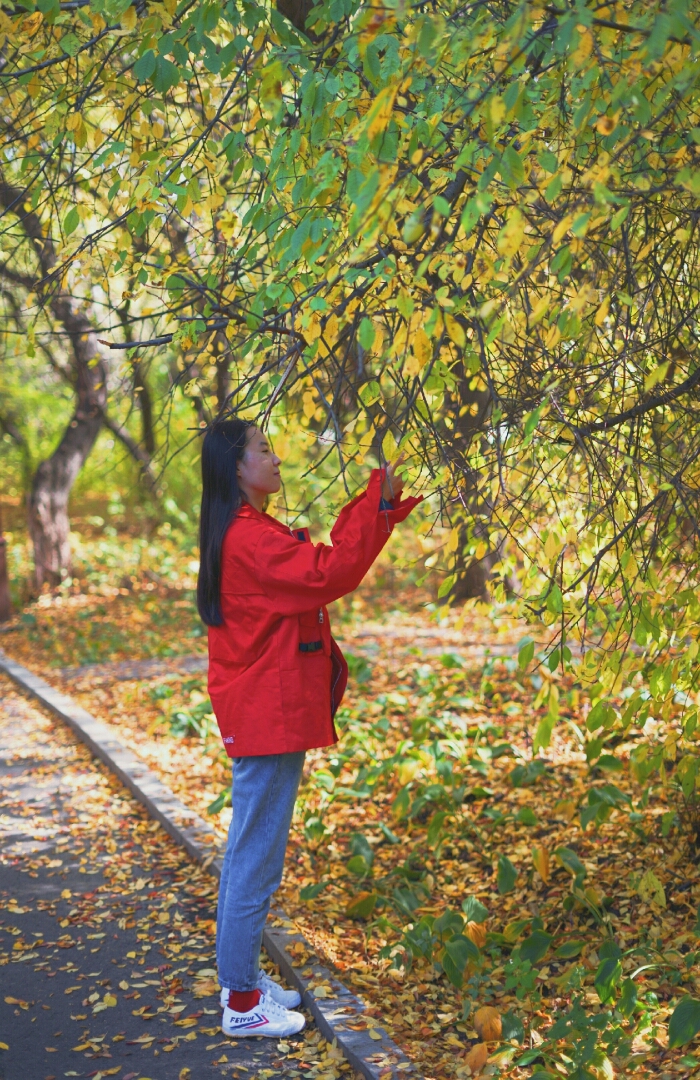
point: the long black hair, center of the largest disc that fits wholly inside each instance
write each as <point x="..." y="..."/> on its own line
<point x="222" y="450"/>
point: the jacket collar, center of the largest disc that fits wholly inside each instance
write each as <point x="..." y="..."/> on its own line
<point x="248" y="511"/>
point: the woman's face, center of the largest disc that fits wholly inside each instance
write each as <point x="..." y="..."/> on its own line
<point x="258" y="469"/>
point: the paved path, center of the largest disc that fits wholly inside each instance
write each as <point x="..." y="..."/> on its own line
<point x="106" y="938"/>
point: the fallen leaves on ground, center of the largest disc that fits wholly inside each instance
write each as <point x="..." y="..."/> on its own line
<point x="432" y="807"/>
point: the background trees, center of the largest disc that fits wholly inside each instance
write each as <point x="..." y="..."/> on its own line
<point x="469" y="230"/>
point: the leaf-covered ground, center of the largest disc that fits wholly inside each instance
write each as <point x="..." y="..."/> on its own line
<point x="430" y="848"/>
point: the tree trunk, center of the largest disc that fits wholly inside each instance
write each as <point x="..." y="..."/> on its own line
<point x="5" y="601"/>
<point x="297" y="11"/>
<point x="54" y="478"/>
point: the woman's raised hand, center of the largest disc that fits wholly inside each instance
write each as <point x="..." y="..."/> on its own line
<point x="393" y="484"/>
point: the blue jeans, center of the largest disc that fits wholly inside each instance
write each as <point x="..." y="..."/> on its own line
<point x="263" y="796"/>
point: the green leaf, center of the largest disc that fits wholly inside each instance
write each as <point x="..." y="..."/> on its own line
<point x="366" y="334"/>
<point x="607" y="977"/>
<point x="448" y="924"/>
<point x="507" y="875"/>
<point x="569" y="949"/>
<point x="71" y="221"/>
<point x="358" y="865"/>
<point x="523" y="775"/>
<point x="222" y="800"/>
<point x="360" y="845"/>
<point x="535" y="946"/>
<point x="474" y="910"/>
<point x="446" y="585"/>
<point x="435" y="827"/>
<point x="543" y="734"/>
<point x="512" y="1027"/>
<point x="70" y="44"/>
<point x="628" y="997"/>
<point x="390" y="836"/>
<point x="459" y="951"/>
<point x="684" y="1023"/>
<point x="362" y="906"/>
<point x="526" y="651"/>
<point x="570" y="861"/>
<point x="619" y="217"/>
<point x="310" y="892"/>
<point x="511" y="168"/>
<point x="166" y="75"/>
<point x="526" y="816"/>
<point x="145" y="66"/>
<point x="401" y="804"/>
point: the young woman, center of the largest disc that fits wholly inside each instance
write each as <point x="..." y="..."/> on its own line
<point x="276" y="678"/>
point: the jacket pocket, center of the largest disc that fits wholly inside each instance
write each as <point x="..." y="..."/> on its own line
<point x="313" y="632"/>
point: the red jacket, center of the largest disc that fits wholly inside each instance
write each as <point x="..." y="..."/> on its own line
<point x="276" y="676"/>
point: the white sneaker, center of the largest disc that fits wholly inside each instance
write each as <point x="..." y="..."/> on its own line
<point x="266" y="1018"/>
<point x="288" y="998"/>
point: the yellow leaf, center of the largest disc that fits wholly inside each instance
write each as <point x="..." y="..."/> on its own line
<point x="422" y="348"/>
<point x="584" y="48"/>
<point x="593" y="896"/>
<point x="407" y="770"/>
<point x="373" y="1034"/>
<point x="313" y="330"/>
<point x="603" y="1070"/>
<point x="32" y="24"/>
<point x="73" y="121"/>
<point x="476" y="932"/>
<point x="109" y="999"/>
<point x="455" y="331"/>
<point x="540" y="859"/>
<point x="656" y="376"/>
<point x="487" y="1023"/>
<point x="563" y="227"/>
<point x="565" y="808"/>
<point x="651" y="890"/>
<point x="552" y="546"/>
<point x="129" y="18"/>
<point x="379" y="115"/>
<point x="602" y="312"/>
<point x="477" y="1058"/>
<point x="481" y="550"/>
<point x="4" y="1046"/>
<point x="497" y="109"/>
<point x="389" y="446"/>
<point x="539" y="309"/>
<point x="511" y="235"/>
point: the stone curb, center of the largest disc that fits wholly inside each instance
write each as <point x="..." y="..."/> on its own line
<point x="339" y="1014"/>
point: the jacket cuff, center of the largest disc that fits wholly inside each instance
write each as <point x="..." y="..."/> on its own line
<point x="401" y="510"/>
